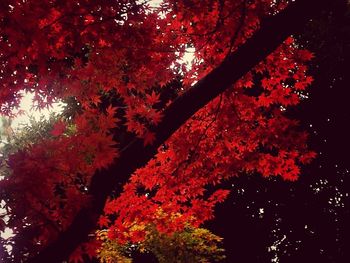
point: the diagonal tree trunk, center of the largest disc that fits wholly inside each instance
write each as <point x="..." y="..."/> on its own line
<point x="273" y="31"/>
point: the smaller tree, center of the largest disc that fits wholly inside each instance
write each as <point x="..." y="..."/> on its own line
<point x="188" y="245"/>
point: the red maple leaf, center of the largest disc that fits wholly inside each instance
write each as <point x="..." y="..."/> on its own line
<point x="153" y="98"/>
<point x="149" y="138"/>
<point x="58" y="129"/>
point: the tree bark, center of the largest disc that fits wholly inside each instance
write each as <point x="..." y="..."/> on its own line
<point x="273" y="31"/>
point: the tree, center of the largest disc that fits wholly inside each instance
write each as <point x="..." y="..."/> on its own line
<point x="116" y="61"/>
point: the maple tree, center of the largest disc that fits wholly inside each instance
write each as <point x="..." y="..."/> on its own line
<point x="142" y="131"/>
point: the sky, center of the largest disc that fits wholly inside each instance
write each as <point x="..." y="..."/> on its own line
<point x="26" y="106"/>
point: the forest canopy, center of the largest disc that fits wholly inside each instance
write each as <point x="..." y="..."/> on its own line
<point x="138" y="158"/>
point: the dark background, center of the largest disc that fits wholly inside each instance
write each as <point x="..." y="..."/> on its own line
<point x="271" y="220"/>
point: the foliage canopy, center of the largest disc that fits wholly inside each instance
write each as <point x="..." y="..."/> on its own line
<point x="119" y="66"/>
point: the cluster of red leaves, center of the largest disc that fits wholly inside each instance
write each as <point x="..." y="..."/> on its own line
<point x="234" y="134"/>
<point x="87" y="49"/>
<point x="49" y="181"/>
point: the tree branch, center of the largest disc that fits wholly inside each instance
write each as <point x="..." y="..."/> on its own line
<point x="273" y="31"/>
